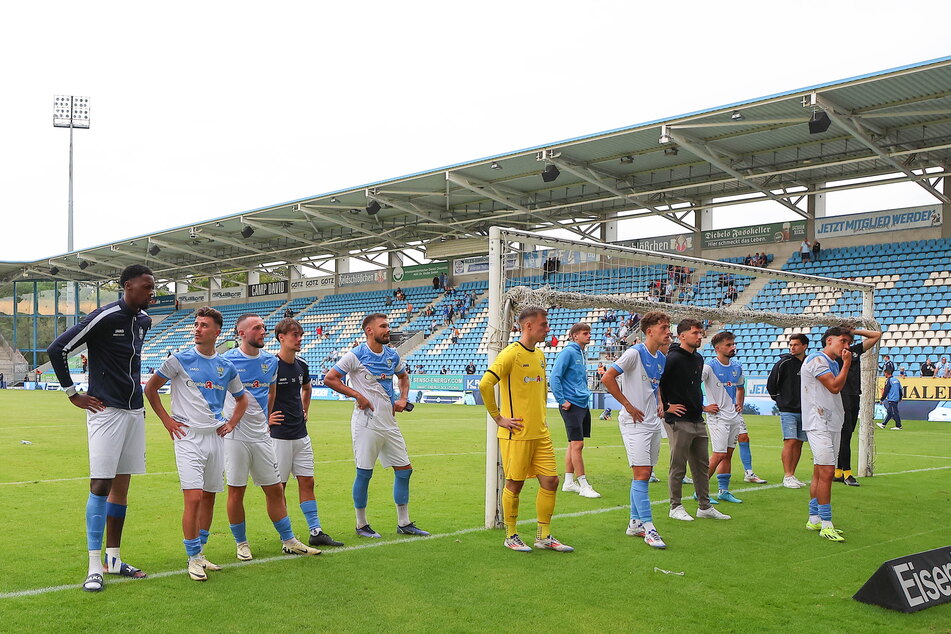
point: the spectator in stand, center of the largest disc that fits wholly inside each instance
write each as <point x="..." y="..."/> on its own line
<point x="436" y="283"/>
<point x="887" y="365"/>
<point x="455" y="335"/>
<point x="409" y="311"/>
<point x="903" y="373"/>
<point x="443" y="281"/>
<point x="445" y="370"/>
<point x="610" y="316"/>
<point x="433" y="327"/>
<point x="84" y="361"/>
<point x="388" y="300"/>
<point x="816" y="249"/>
<point x="470" y="368"/>
<point x="320" y="331"/>
<point x="600" y="371"/>
<point x="288" y="313"/>
<point x="610" y="344"/>
<point x="805" y="249"/>
<point x="940" y="367"/>
<point x="927" y="368"/>
<point x="748" y="260"/>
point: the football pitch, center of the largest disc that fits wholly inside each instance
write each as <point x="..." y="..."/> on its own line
<point x="762" y="571"/>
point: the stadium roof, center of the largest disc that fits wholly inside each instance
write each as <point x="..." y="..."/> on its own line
<point x="888" y="126"/>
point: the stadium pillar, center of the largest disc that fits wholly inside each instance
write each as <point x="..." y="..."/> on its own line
<point x="609" y="228"/>
<point x="342" y="265"/>
<point x="702" y="221"/>
<point x="816" y="208"/>
<point x="254" y="277"/>
<point x="394" y="259"/>
<point x="945" y="225"/>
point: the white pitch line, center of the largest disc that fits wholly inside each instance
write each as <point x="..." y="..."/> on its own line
<point x="377" y="544"/>
<point x="348" y="460"/>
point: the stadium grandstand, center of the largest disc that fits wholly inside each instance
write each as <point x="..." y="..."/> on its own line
<point x="415" y="247"/>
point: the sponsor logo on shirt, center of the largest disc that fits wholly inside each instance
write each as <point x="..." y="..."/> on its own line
<point x="208" y="385"/>
<point x="529" y="379"/>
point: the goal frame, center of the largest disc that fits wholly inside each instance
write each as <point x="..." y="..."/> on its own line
<point x="501" y="311"/>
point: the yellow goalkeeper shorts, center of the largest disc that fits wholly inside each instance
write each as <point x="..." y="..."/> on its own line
<point x="524" y="459"/>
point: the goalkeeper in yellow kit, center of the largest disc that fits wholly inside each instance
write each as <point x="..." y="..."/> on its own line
<point x="524" y="439"/>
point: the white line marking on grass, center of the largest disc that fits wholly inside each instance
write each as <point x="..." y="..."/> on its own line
<point x="377" y="544"/>
<point x="350" y="460"/>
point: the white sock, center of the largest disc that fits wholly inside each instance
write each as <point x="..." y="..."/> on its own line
<point x="402" y="514"/>
<point x="113" y="560"/>
<point x="749" y="472"/>
<point x="95" y="562"/>
<point x="814" y="519"/>
<point x="316" y="530"/>
<point x="648" y="526"/>
<point x="288" y="542"/>
<point x="569" y="478"/>
<point x="361" y="517"/>
<point x="583" y="481"/>
<point x="197" y="557"/>
<point x="826" y="523"/>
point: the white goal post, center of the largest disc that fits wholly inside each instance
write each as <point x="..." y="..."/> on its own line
<point x="507" y="297"/>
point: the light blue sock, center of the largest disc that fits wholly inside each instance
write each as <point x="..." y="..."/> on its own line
<point x="309" y="508"/>
<point x="192" y="546"/>
<point x="401" y="485"/>
<point x="635" y="515"/>
<point x="203" y="536"/>
<point x="361" y="484"/>
<point x="746" y="456"/>
<point x="240" y="532"/>
<point x="115" y="510"/>
<point x="825" y="512"/>
<point x="724" y="481"/>
<point x="95" y="521"/>
<point x="641" y="500"/>
<point x="814" y="506"/>
<point x="283" y="527"/>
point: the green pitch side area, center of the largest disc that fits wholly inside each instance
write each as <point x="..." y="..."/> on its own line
<point x="762" y="571"/>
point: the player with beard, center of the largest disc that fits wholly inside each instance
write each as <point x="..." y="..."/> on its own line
<point x="370" y="368"/>
<point x="249" y="449"/>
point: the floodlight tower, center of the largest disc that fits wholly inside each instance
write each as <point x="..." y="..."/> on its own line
<point x="70" y="112"/>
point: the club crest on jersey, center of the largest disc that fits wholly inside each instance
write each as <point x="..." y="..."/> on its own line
<point x="389" y="363"/>
<point x="264" y="367"/>
<point x="141" y="333"/>
<point x="221" y="370"/>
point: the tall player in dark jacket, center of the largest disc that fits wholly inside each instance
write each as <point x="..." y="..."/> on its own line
<point x="115" y="414"/>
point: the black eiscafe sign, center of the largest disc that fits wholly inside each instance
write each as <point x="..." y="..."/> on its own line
<point x="910" y="583"/>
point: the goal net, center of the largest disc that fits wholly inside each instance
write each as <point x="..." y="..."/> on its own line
<point x="610" y="286"/>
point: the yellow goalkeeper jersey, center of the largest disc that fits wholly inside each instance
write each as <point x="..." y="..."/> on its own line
<point x="523" y="390"/>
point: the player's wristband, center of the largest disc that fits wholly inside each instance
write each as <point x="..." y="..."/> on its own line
<point x="71" y="391"/>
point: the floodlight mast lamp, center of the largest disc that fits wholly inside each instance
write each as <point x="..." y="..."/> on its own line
<point x="70" y="112"/>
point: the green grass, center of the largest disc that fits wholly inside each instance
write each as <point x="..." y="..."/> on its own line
<point x="762" y="571"/>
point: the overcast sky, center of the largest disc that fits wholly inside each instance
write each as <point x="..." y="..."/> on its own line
<point x="204" y="109"/>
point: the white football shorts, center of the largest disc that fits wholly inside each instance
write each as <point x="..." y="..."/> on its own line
<point x="257" y="459"/>
<point x="825" y="446"/>
<point x="723" y="432"/>
<point x="294" y="456"/>
<point x="641" y="444"/>
<point x="116" y="442"/>
<point x="200" y="459"/>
